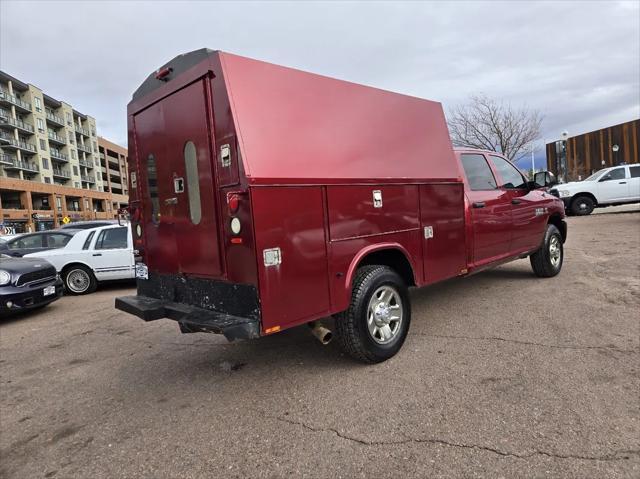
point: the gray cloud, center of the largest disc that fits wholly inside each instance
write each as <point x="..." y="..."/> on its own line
<point x="577" y="62"/>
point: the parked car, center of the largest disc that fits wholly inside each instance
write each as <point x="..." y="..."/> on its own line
<point x="92" y="256"/>
<point x="35" y="242"/>
<point x="307" y="197"/>
<point x="83" y="225"/>
<point x="618" y="185"/>
<point x="27" y="283"/>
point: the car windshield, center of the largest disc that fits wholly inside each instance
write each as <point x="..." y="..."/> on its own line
<point x="594" y="176"/>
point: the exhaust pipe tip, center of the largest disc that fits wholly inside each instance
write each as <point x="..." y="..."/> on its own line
<point x="321" y="333"/>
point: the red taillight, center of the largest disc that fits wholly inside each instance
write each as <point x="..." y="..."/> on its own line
<point x="163" y="73"/>
<point x="233" y="200"/>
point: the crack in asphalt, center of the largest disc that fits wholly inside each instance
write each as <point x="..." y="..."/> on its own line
<point x="528" y="343"/>
<point x="614" y="456"/>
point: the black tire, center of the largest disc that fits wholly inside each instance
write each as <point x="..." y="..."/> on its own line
<point x="71" y="277"/>
<point x="542" y="261"/>
<point x="582" y="206"/>
<point x="351" y="326"/>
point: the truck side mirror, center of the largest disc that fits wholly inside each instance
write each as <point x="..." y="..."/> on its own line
<point x="544" y="179"/>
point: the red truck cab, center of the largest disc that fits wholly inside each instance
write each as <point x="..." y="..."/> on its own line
<point x="264" y="197"/>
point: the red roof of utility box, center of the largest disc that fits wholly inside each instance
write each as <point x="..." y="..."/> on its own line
<point x="297" y="125"/>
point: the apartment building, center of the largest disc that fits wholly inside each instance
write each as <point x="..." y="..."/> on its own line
<point x="115" y="172"/>
<point x="50" y="167"/>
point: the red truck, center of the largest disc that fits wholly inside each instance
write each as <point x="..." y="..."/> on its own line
<point x="264" y="197"/>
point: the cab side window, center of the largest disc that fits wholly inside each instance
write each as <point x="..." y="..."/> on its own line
<point x="28" y="241"/>
<point x="57" y="240"/>
<point x="477" y="171"/>
<point x="112" y="238"/>
<point x="615" y="174"/>
<point x="635" y="171"/>
<point x="511" y="178"/>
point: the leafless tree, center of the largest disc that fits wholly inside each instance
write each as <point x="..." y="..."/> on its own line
<point x="489" y="124"/>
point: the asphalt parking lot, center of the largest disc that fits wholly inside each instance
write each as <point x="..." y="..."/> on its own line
<point x="503" y="375"/>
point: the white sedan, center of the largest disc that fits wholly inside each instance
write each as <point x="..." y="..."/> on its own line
<point x="93" y="255"/>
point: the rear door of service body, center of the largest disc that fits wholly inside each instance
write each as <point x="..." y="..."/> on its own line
<point x="490" y="209"/>
<point x="174" y="142"/>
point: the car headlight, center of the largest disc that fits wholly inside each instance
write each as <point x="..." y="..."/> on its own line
<point x="564" y="193"/>
<point x="5" y="277"/>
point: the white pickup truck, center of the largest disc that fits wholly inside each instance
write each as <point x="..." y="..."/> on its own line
<point x="612" y="186"/>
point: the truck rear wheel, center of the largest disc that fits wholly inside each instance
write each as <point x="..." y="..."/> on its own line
<point x="547" y="261"/>
<point x="582" y="206"/>
<point x="376" y="324"/>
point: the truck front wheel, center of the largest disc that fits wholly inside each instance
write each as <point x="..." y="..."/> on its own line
<point x="376" y="324"/>
<point x="547" y="261"/>
<point x="582" y="206"/>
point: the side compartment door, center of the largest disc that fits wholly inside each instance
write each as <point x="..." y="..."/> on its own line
<point x="291" y="253"/>
<point x="490" y="210"/>
<point x="443" y="231"/>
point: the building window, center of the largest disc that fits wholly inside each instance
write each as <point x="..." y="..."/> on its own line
<point x="75" y="170"/>
<point x="73" y="154"/>
<point x="45" y="163"/>
<point x="69" y="119"/>
<point x="59" y="203"/>
<point x="47" y="179"/>
<point x="71" y="137"/>
<point x="95" y="146"/>
<point x="36" y="101"/>
<point x="43" y="145"/>
<point x="76" y="184"/>
<point x="86" y="204"/>
<point x="40" y="125"/>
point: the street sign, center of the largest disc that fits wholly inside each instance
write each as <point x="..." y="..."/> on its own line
<point x="66" y="220"/>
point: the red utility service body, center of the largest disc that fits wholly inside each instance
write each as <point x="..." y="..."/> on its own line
<point x="320" y="175"/>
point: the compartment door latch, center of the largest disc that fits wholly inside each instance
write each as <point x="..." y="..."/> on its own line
<point x="428" y="232"/>
<point x="377" y="199"/>
<point x="272" y="256"/>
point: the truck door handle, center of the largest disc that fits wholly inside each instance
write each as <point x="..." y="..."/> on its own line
<point x="515" y="202"/>
<point x="97" y="254"/>
<point x="622" y="182"/>
<point x="478" y="204"/>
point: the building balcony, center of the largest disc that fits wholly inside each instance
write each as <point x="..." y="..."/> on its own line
<point x="88" y="178"/>
<point x="54" y="119"/>
<point x="60" y="173"/>
<point x="7" y="121"/>
<point x="86" y="163"/>
<point x="21" y="145"/>
<point x="7" y="159"/>
<point x="82" y="131"/>
<point x="15" y="164"/>
<point x="5" y="137"/>
<point x="9" y="99"/>
<point x="57" y="155"/>
<point x="84" y="148"/>
<point x="55" y="138"/>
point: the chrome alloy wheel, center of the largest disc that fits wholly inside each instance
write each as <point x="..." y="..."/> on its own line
<point x="78" y="281"/>
<point x="384" y="315"/>
<point x="555" y="251"/>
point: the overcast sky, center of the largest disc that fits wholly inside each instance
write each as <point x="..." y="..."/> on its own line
<point x="577" y="62"/>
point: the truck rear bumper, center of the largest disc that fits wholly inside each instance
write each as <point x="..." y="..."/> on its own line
<point x="190" y="318"/>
